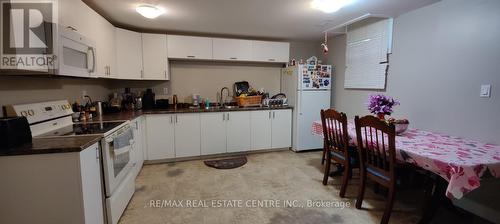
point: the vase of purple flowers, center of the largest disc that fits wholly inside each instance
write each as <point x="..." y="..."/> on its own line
<point x="381" y="105"/>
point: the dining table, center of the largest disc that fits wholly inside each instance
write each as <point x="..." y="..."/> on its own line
<point x="460" y="161"/>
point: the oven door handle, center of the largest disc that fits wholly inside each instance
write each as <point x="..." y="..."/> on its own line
<point x="122" y="150"/>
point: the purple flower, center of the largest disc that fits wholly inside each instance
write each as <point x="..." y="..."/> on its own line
<point x="381" y="104"/>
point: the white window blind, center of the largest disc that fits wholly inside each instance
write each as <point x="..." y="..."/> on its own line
<point x="368" y="43"/>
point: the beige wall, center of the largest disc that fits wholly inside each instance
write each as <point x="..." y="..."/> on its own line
<point x="207" y="78"/>
<point x="29" y="89"/>
<point x="442" y="53"/>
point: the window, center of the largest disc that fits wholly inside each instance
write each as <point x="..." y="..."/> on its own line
<point x="368" y="44"/>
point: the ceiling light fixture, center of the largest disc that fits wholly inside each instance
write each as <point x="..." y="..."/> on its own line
<point x="329" y="6"/>
<point x="149" y="11"/>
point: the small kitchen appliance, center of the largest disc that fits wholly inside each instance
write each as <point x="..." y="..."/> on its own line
<point x="14" y="131"/>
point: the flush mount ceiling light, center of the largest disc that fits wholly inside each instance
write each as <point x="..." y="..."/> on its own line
<point x="329" y="6"/>
<point x="149" y="11"/>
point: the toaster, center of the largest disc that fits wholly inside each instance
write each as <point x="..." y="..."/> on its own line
<point x="14" y="131"/>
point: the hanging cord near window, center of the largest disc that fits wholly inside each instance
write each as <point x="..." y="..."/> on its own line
<point x="387" y="63"/>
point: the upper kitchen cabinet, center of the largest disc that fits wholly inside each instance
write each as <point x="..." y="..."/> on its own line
<point x="267" y="51"/>
<point x="128" y="54"/>
<point x="76" y="16"/>
<point x="188" y="47"/>
<point x="232" y="49"/>
<point x="104" y="37"/>
<point x="154" y="56"/>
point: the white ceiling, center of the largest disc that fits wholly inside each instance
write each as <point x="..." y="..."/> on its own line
<point x="274" y="19"/>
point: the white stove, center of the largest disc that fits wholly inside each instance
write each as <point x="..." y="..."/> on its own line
<point x="53" y="119"/>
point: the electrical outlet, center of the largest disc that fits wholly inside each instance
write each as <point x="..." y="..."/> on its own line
<point x="485" y="91"/>
<point x="165" y="91"/>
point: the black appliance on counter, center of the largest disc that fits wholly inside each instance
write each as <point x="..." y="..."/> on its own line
<point x="148" y="100"/>
<point x="162" y="104"/>
<point x="14" y="131"/>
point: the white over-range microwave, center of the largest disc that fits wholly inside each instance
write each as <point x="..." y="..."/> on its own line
<point x="76" y="54"/>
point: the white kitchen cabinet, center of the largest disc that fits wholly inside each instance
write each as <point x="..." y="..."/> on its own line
<point x="187" y="135"/>
<point x="77" y="16"/>
<point x="267" y="51"/>
<point x="128" y="54"/>
<point x="238" y="131"/>
<point x="260" y="122"/>
<point x="154" y="56"/>
<point x="160" y="136"/>
<point x="213" y="133"/>
<point x="281" y="128"/>
<point x="104" y="37"/>
<point x="138" y="146"/>
<point x="189" y="47"/>
<point x="70" y="182"/>
<point x="232" y="49"/>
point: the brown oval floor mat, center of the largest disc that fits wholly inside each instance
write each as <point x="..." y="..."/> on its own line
<point x="230" y="163"/>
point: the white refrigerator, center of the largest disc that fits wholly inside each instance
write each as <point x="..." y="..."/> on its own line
<point x="308" y="89"/>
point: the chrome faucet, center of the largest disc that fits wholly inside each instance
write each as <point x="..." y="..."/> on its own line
<point x="221" y="102"/>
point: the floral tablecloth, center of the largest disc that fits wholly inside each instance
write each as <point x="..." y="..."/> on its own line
<point x="462" y="162"/>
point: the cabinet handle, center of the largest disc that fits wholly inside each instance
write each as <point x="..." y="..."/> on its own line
<point x="142" y="74"/>
<point x="274" y="114"/>
<point x="233" y="58"/>
<point x="269" y="114"/>
<point x="176" y="121"/>
<point x="271" y="59"/>
<point x="72" y="28"/>
<point x="171" y="120"/>
<point x="228" y="116"/>
<point x="191" y="56"/>
<point x="223" y="116"/>
<point x="97" y="154"/>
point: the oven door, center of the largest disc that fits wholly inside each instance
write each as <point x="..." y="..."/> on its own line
<point x="117" y="157"/>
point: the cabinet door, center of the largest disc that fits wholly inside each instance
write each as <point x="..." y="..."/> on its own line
<point x="232" y="49"/>
<point x="238" y="131"/>
<point x="187" y="135"/>
<point x="271" y="51"/>
<point x="154" y="56"/>
<point x="260" y="126"/>
<point x="213" y="133"/>
<point x="90" y="171"/>
<point x="187" y="47"/>
<point x="160" y="136"/>
<point x="138" y="146"/>
<point x="281" y="128"/>
<point x="128" y="54"/>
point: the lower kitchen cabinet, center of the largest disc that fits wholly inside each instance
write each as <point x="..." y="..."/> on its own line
<point x="139" y="144"/>
<point x="271" y="129"/>
<point x="193" y="134"/>
<point x="69" y="182"/>
<point x="187" y="135"/>
<point x="213" y="133"/>
<point x="260" y="122"/>
<point x="160" y="136"/>
<point x="238" y="131"/>
<point x="281" y="130"/>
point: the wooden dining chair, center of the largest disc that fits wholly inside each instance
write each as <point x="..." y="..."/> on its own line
<point x="376" y="147"/>
<point x="336" y="146"/>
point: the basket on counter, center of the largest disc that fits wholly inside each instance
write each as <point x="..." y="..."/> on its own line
<point x="249" y="101"/>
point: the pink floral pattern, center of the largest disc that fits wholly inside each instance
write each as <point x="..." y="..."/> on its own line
<point x="462" y="162"/>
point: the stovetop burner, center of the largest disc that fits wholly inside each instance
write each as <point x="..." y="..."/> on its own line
<point x="99" y="128"/>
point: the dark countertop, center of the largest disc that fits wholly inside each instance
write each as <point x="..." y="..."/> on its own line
<point x="79" y="143"/>
<point x="130" y="115"/>
<point x="53" y="145"/>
